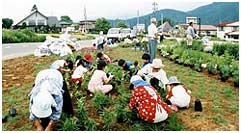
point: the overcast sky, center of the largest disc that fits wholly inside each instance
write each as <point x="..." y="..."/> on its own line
<point x="111" y="9"/>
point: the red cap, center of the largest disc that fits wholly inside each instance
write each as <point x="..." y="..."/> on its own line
<point x="88" y="57"/>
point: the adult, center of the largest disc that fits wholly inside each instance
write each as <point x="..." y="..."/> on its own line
<point x="46" y="99"/>
<point x="154" y="72"/>
<point x="190" y="34"/>
<point x="148" y="102"/>
<point x="153" y="36"/>
<point x="101" y="41"/>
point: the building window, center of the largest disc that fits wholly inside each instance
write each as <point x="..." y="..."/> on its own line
<point x="31" y="22"/>
<point x="41" y="22"/>
<point x="221" y="28"/>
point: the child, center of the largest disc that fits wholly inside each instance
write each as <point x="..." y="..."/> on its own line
<point x="146" y="59"/>
<point x="61" y="64"/>
<point x="101" y="56"/>
<point x="89" y="60"/>
<point x="178" y="95"/>
<point x="77" y="76"/>
<point x="125" y="64"/>
<point x="99" y="78"/>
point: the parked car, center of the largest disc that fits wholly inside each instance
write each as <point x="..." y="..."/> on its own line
<point x="125" y="33"/>
<point x="114" y="34"/>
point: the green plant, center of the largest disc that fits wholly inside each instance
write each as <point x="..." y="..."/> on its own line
<point x="219" y="119"/>
<point x="69" y="124"/>
<point x="173" y="125"/>
<point x="235" y="73"/>
<point x="100" y="100"/>
<point x="90" y="124"/>
<point x="212" y="65"/>
<point x="108" y="117"/>
<point x="81" y="112"/>
<point x="197" y="45"/>
<point x="224" y="72"/>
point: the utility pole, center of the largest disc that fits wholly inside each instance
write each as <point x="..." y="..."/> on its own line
<point x="155" y="8"/>
<point x="137" y="17"/>
<point x="85" y="18"/>
<point x="199" y="22"/>
<point x="162" y="18"/>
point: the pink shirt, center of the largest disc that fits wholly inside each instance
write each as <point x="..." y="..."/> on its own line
<point x="97" y="79"/>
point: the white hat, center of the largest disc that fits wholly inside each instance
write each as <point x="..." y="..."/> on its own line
<point x="101" y="32"/>
<point x="153" y="19"/>
<point x="42" y="104"/>
<point x="135" y="78"/>
<point x="157" y="63"/>
<point x="173" y="80"/>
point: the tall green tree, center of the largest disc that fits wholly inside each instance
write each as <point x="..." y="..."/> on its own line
<point x="66" y="19"/>
<point x="7" y="23"/>
<point x="102" y="24"/>
<point x="164" y="20"/>
<point x="121" y="24"/>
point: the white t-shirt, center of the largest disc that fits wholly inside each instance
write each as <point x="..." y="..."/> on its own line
<point x="160" y="75"/>
<point x="180" y="96"/>
<point x="57" y="64"/>
<point x="79" y="71"/>
<point x="152" y="30"/>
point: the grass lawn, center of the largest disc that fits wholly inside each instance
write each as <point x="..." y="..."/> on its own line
<point x="220" y="100"/>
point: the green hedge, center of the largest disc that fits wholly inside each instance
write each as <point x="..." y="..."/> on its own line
<point x="17" y="36"/>
<point x="231" y="49"/>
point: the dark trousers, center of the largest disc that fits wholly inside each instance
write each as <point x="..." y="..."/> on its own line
<point x="100" y="46"/>
<point x="67" y="102"/>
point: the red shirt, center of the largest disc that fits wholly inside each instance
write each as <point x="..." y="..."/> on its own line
<point x="146" y="103"/>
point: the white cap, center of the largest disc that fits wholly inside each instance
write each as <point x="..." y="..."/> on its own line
<point x="42" y="104"/>
<point x="135" y="78"/>
<point x="157" y="63"/>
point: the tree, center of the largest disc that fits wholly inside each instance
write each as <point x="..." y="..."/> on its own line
<point x="164" y="20"/>
<point x="66" y="19"/>
<point x="7" y="23"/>
<point x="122" y="24"/>
<point x="102" y="24"/>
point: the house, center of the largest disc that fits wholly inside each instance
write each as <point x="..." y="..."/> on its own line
<point x="36" y="20"/>
<point x="166" y="27"/>
<point x="65" y="25"/>
<point x="228" y="31"/>
<point x="86" y="25"/>
<point x="206" y="30"/>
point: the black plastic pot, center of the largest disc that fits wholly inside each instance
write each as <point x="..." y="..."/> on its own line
<point x="120" y="119"/>
<point x="198" y="105"/>
<point x="12" y="112"/>
<point x="4" y="118"/>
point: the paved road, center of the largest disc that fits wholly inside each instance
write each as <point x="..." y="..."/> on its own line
<point x="13" y="50"/>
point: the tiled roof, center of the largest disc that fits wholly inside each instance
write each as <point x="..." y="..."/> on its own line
<point x="205" y="27"/>
<point x="225" y="23"/>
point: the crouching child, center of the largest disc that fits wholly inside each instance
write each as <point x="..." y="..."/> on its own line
<point x="178" y="95"/>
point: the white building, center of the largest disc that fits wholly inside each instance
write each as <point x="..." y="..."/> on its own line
<point x="36" y="20"/>
<point x="191" y="19"/>
<point x="228" y="30"/>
